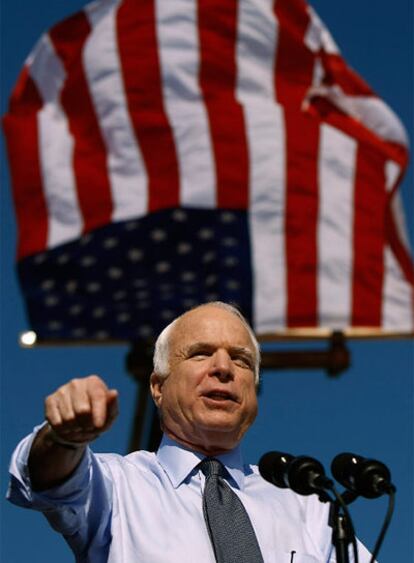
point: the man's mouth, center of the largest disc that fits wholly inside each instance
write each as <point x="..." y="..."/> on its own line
<point x="217" y="395"/>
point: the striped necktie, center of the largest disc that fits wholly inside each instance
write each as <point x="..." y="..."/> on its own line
<point x="228" y="523"/>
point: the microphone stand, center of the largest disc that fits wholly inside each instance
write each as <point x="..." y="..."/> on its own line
<point x="342" y="529"/>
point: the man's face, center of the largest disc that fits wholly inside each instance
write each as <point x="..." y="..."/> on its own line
<point x="208" y="401"/>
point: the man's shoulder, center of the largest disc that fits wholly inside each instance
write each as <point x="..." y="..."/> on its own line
<point x="284" y="496"/>
<point x="142" y="461"/>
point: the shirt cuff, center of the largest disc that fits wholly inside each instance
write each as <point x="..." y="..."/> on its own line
<point x="20" y="490"/>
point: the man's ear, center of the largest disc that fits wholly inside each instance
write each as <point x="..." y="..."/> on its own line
<point x="156" y="388"/>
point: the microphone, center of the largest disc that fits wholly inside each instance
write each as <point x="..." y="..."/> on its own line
<point x="304" y="475"/>
<point x="273" y="467"/>
<point x="366" y="477"/>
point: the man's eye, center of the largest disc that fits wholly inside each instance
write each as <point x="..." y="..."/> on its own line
<point x="243" y="361"/>
<point x="200" y="354"/>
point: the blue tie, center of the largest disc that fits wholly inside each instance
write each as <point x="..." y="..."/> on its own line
<point x="228" y="523"/>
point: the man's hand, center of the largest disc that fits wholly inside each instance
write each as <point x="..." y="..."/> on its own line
<point x="77" y="412"/>
<point x="82" y="409"/>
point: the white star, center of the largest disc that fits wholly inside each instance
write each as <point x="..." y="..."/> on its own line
<point x="115" y="273"/>
<point x="188" y="276"/>
<point x="123" y="317"/>
<point x="166" y="287"/>
<point x="230" y="261"/>
<point x="211" y="280"/>
<point x="179" y="215"/>
<point x="209" y="257"/>
<point x="99" y="312"/>
<point x="78" y="332"/>
<point x="229" y="241"/>
<point x="71" y="286"/>
<point x="93" y="287"/>
<point x="88" y="261"/>
<point x="158" y="235"/>
<point x="47" y="284"/>
<point x="135" y="254"/>
<point x="233" y="284"/>
<point x="101" y="335"/>
<point x="110" y="243"/>
<point x="85" y="239"/>
<point x="184" y="248"/>
<point x="75" y="310"/>
<point x="205" y="234"/>
<point x="162" y="267"/>
<point x="145" y="330"/>
<point x="63" y="259"/>
<point x="167" y="314"/>
<point x="40" y="258"/>
<point x="131" y="225"/>
<point x="51" y="301"/>
<point x="227" y="217"/>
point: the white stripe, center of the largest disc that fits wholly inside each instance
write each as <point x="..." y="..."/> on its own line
<point x="256" y="42"/>
<point x="337" y="154"/>
<point x="265" y="131"/>
<point x="127" y="174"/>
<point x="392" y="172"/>
<point x="397" y="312"/>
<point x="266" y="142"/>
<point x="397" y="295"/>
<point x="377" y="116"/>
<point x="56" y="148"/>
<point x="318" y="36"/>
<point x="177" y="32"/>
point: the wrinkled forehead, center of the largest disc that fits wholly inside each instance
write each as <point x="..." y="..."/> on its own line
<point x="209" y="323"/>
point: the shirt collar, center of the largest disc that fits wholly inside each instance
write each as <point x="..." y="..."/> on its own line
<point x="178" y="462"/>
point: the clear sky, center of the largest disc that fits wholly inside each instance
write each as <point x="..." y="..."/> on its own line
<point x="368" y="410"/>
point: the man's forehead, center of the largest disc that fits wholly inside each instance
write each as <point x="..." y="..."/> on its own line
<point x="216" y="322"/>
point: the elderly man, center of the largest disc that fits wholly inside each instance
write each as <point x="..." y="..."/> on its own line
<point x="171" y="505"/>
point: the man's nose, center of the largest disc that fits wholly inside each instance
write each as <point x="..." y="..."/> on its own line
<point x="222" y="365"/>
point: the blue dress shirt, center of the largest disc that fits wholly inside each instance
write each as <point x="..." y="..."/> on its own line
<point x="147" y="508"/>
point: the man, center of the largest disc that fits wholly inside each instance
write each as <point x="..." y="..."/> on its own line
<point x="149" y="507"/>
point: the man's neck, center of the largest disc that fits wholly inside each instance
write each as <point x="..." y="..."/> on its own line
<point x="209" y="451"/>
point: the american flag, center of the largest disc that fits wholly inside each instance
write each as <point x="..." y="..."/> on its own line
<point x="165" y="153"/>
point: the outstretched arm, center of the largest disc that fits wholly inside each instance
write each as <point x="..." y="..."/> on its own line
<point x="77" y="413"/>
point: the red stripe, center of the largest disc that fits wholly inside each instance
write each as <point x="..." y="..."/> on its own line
<point x="294" y="72"/>
<point x="326" y="111"/>
<point x="339" y="73"/>
<point x="137" y="43"/>
<point x="302" y="140"/>
<point x="369" y="235"/>
<point x="218" y="40"/>
<point x="89" y="159"/>
<point x="294" y="61"/>
<point x="398" y="248"/>
<point x="22" y="136"/>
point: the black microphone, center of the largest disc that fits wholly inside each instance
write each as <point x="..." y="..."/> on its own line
<point x="304" y="475"/>
<point x="366" y="477"/>
<point x="273" y="467"/>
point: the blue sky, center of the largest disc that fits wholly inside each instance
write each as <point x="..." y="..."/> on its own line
<point x="368" y="410"/>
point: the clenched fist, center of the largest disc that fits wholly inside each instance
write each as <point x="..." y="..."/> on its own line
<point x="81" y="410"/>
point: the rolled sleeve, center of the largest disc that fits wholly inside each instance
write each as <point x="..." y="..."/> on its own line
<point x="79" y="508"/>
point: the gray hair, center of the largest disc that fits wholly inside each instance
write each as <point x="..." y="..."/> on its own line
<point x="162" y="345"/>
